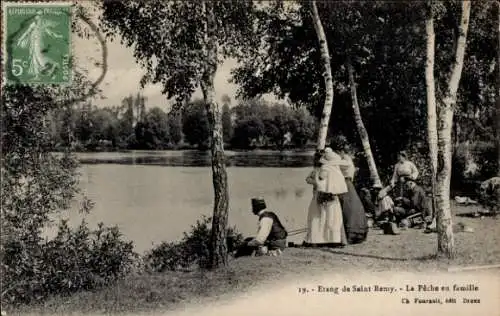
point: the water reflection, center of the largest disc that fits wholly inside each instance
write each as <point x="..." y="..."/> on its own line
<point x="193" y="158"/>
<point x="153" y="204"/>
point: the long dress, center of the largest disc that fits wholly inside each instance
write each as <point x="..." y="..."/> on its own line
<point x="314" y="231"/>
<point x="353" y="211"/>
<point x="325" y="223"/>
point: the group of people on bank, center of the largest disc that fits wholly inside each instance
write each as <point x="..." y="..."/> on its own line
<point x="403" y="203"/>
<point x="337" y="215"/>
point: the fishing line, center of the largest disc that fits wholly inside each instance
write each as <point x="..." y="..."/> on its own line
<point x="297" y="231"/>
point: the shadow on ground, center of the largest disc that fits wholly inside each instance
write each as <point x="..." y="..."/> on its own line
<point x="346" y="253"/>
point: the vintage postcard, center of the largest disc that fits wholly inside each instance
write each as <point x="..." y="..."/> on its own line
<point x="250" y="158"/>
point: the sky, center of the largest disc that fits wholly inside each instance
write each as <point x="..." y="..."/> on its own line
<point x="124" y="73"/>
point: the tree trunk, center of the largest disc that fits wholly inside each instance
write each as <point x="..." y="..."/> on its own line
<point x="218" y="246"/>
<point x="325" y="57"/>
<point x="432" y="137"/>
<point x="446" y="245"/>
<point x="446" y="241"/>
<point x="498" y="91"/>
<point x="363" y="134"/>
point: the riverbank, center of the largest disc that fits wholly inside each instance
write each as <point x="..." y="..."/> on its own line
<point x="199" y="158"/>
<point x="412" y="251"/>
<point x="227" y="148"/>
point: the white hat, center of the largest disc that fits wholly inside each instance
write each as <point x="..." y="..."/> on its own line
<point x="330" y="156"/>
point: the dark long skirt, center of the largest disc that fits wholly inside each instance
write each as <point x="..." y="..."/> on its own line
<point x="355" y="221"/>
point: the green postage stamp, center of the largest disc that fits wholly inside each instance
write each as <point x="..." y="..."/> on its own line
<point x="37" y="42"/>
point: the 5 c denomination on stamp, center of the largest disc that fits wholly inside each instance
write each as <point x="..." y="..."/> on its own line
<point x="37" y="42"/>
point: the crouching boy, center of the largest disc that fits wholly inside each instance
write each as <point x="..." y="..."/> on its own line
<point x="271" y="236"/>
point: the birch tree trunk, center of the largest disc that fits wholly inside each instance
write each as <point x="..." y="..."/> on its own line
<point x="498" y="92"/>
<point x="432" y="137"/>
<point x="446" y="244"/>
<point x="218" y="246"/>
<point x="325" y="57"/>
<point x="363" y="134"/>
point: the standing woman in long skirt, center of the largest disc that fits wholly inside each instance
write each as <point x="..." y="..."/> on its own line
<point x="355" y="221"/>
<point x="330" y="184"/>
<point x="314" y="233"/>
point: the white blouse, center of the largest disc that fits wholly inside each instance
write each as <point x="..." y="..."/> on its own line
<point x="265" y="225"/>
<point x="348" y="170"/>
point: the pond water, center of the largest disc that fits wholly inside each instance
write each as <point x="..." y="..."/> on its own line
<point x="194" y="158"/>
<point x="156" y="196"/>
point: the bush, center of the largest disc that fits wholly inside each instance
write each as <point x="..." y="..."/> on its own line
<point x="483" y="154"/>
<point x="472" y="163"/>
<point x="192" y="250"/>
<point x="36" y="185"/>
<point x="74" y="260"/>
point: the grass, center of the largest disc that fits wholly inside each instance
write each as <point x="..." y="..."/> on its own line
<point x="412" y="251"/>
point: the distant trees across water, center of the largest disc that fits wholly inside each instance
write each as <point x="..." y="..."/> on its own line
<point x="249" y="124"/>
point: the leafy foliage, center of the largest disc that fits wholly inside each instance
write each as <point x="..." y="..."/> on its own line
<point x="129" y="126"/>
<point x="35" y="185"/>
<point x="195" y="124"/>
<point x="372" y="35"/>
<point x="258" y="123"/>
<point x="169" y="37"/>
<point x="473" y="162"/>
<point x="34" y="182"/>
<point x="74" y="260"/>
<point x="153" y="132"/>
<point x="476" y="110"/>
<point x="250" y="123"/>
<point x="385" y="42"/>
<point x="191" y="250"/>
<point x="175" y="127"/>
<point x="227" y="124"/>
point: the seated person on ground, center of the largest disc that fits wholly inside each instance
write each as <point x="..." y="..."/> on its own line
<point x="403" y="170"/>
<point x="271" y="237"/>
<point x="368" y="202"/>
<point x="384" y="213"/>
<point x="489" y="195"/>
<point x="414" y="202"/>
<point x="385" y="206"/>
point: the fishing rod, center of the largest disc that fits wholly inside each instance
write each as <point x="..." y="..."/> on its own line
<point x="297" y="231"/>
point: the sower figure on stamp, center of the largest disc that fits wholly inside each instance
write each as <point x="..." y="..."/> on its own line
<point x="32" y="38"/>
<point x="271" y="236"/>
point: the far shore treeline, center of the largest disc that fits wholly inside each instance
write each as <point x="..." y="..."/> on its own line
<point x="134" y="125"/>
